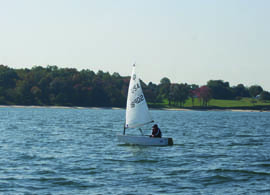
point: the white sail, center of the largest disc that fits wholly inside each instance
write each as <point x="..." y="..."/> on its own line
<point x="137" y="113"/>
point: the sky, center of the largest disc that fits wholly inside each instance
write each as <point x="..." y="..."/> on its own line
<point x="191" y="41"/>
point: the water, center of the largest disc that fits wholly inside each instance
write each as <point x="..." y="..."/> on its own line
<point x="75" y="151"/>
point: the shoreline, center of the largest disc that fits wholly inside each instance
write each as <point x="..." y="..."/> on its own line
<point x="59" y="107"/>
<point x="119" y="108"/>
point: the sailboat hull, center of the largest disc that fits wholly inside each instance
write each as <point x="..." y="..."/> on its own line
<point x="145" y="140"/>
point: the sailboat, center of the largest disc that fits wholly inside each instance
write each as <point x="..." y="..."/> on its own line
<point x="137" y="115"/>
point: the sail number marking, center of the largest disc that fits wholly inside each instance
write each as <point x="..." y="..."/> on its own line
<point x="137" y="101"/>
<point x="135" y="88"/>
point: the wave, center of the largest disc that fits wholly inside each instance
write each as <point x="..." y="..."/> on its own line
<point x="239" y="171"/>
<point x="133" y="161"/>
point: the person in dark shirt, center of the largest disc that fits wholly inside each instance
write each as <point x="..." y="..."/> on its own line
<point x="156" y="131"/>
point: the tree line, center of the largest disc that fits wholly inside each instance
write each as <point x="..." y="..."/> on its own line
<point x="69" y="87"/>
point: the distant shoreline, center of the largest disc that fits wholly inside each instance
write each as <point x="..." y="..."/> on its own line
<point x="160" y="108"/>
<point x="58" y="107"/>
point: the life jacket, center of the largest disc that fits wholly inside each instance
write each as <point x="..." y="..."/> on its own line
<point x="158" y="134"/>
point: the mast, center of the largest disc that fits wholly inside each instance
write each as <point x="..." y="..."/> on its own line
<point x="124" y="129"/>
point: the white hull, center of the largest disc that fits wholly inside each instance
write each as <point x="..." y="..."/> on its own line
<point x="145" y="140"/>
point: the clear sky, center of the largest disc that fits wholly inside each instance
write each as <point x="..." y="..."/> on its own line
<point x="189" y="41"/>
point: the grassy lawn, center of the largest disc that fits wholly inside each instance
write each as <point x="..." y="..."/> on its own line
<point x="244" y="102"/>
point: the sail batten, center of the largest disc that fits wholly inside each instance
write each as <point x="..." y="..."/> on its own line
<point x="137" y="112"/>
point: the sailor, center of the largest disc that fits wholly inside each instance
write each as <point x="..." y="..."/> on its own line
<point x="156" y="131"/>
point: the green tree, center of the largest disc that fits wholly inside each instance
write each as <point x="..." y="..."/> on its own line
<point x="183" y="95"/>
<point x="151" y="92"/>
<point x="220" y="89"/>
<point x="8" y="79"/>
<point x="179" y="93"/>
<point x="255" y="90"/>
<point x="192" y="92"/>
<point x="240" y="91"/>
<point x="164" y="89"/>
<point x="265" y="95"/>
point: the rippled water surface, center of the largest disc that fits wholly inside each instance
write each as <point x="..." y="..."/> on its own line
<point x="75" y="151"/>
